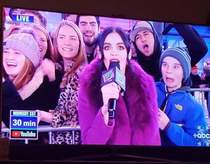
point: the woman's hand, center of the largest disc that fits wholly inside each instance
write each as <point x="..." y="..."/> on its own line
<point x="44" y="116"/>
<point x="48" y="68"/>
<point x="109" y="91"/>
<point x="163" y="120"/>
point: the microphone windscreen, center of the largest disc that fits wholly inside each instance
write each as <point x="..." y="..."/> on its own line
<point x="114" y="63"/>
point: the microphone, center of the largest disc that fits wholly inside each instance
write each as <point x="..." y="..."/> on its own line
<point x="113" y="75"/>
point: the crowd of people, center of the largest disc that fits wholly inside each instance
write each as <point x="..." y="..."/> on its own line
<point x="59" y="74"/>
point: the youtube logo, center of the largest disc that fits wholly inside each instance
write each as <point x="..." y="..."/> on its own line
<point x="15" y="134"/>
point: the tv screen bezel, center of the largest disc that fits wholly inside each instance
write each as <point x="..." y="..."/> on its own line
<point x="146" y="12"/>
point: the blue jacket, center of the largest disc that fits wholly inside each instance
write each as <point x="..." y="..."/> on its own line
<point x="187" y="126"/>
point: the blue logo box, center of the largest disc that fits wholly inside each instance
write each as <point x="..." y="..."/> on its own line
<point x="23" y="124"/>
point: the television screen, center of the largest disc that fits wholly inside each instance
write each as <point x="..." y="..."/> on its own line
<point x="85" y="79"/>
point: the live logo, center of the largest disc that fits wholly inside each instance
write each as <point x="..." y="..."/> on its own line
<point x="23" y="18"/>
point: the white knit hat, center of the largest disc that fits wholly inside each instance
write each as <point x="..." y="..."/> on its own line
<point x="26" y="44"/>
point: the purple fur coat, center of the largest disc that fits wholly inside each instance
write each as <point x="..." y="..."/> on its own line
<point x="136" y="114"/>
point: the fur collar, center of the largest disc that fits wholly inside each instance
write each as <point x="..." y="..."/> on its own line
<point x="140" y="96"/>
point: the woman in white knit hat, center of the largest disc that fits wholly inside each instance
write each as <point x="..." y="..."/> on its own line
<point x="21" y="56"/>
<point x="47" y="76"/>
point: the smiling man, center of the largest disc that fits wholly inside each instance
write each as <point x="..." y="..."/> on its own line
<point x="90" y="28"/>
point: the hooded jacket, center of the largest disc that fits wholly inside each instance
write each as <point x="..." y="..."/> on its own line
<point x="195" y="44"/>
<point x="151" y="64"/>
<point x="187" y="121"/>
<point x="136" y="111"/>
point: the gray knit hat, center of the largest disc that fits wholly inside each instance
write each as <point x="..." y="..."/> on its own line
<point x="26" y="44"/>
<point x="140" y="26"/>
<point x="182" y="56"/>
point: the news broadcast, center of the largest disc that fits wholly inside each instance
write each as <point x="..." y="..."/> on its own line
<point x="94" y="80"/>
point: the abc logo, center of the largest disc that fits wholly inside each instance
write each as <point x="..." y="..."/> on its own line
<point x="202" y="135"/>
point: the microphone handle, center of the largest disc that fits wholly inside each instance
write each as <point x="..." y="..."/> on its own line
<point x="112" y="110"/>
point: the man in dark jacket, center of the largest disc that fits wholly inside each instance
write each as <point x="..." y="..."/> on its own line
<point x="148" y="46"/>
